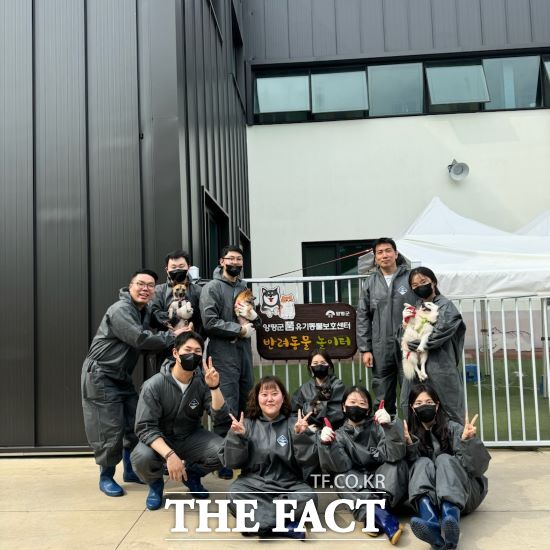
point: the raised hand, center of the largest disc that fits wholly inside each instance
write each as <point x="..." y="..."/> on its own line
<point x="237" y="426"/>
<point x="328" y="435"/>
<point x="301" y="424"/>
<point x="408" y="438"/>
<point x="211" y="375"/>
<point x="469" y="427"/>
<point x="382" y="416"/>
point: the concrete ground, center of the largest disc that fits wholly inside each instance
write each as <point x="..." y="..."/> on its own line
<point x="54" y="503"/>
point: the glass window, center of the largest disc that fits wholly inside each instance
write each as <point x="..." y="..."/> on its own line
<point x="546" y="80"/>
<point x="456" y="84"/>
<point x="395" y="89"/>
<point x="547" y="67"/>
<point x="282" y="93"/>
<point x="340" y="91"/>
<point x="512" y="81"/>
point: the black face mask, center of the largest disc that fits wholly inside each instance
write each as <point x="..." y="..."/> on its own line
<point x="233" y="270"/>
<point x="425" y="413"/>
<point x="424" y="291"/>
<point x="320" y="371"/>
<point x="356" y="414"/>
<point x="178" y="275"/>
<point x="190" y="361"/>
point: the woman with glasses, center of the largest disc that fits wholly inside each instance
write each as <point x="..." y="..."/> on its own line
<point x="322" y="394"/>
<point x="447" y="463"/>
<point x="444" y="346"/>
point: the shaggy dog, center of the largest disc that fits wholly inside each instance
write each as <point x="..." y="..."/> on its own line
<point x="418" y="324"/>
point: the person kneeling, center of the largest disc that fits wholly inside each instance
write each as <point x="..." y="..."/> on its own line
<point x="169" y="424"/>
<point x="447" y="465"/>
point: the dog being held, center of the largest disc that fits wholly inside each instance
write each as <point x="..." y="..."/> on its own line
<point x="180" y="309"/>
<point x="418" y="324"/>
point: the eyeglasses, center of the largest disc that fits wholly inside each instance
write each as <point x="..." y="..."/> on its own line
<point x="141" y="284"/>
<point x="232" y="259"/>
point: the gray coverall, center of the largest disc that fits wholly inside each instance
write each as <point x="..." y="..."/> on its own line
<point x="457" y="478"/>
<point x="274" y="460"/>
<point x="109" y="398"/>
<point x="444" y="353"/>
<point x="379" y="317"/>
<point x="164" y="411"/>
<point x="231" y="355"/>
<point x="306" y="397"/>
<point x="357" y="452"/>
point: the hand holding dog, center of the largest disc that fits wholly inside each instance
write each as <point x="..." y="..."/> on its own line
<point x="246" y="311"/>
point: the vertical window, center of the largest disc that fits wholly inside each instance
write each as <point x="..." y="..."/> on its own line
<point x="513" y="82"/>
<point x="339" y="91"/>
<point x="396" y="89"/>
<point x="546" y="81"/>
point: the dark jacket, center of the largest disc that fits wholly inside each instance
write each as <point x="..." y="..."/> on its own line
<point x="270" y="451"/>
<point x="380" y="314"/>
<point x="122" y="334"/>
<point x="164" y="411"/>
<point x="363" y="447"/>
<point x="309" y="396"/>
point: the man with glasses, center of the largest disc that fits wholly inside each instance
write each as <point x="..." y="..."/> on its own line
<point x="229" y="342"/>
<point x="109" y="398"/>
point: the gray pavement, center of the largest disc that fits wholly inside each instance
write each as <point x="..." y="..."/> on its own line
<point x="54" y="503"/>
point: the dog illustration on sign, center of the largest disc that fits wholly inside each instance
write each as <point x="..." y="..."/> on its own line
<point x="270" y="302"/>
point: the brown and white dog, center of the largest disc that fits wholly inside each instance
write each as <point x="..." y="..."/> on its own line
<point x="244" y="298"/>
<point x="418" y="324"/>
<point x="180" y="309"/>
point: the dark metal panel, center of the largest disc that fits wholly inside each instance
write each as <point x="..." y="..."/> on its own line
<point x="201" y="91"/>
<point x="493" y="22"/>
<point x="324" y="28"/>
<point x="16" y="223"/>
<point x="469" y="23"/>
<point x="61" y="220"/>
<point x="396" y="26"/>
<point x="254" y="29"/>
<point x="518" y="16"/>
<point x="276" y="29"/>
<point x="444" y="24"/>
<point x="113" y="148"/>
<point x="159" y="146"/>
<point x="208" y="31"/>
<point x="348" y="36"/>
<point x="420" y="25"/>
<point x="540" y="17"/>
<point x="300" y="32"/>
<point x="372" y="27"/>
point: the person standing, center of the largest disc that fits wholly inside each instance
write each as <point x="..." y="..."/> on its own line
<point x="229" y="341"/>
<point x="109" y="398"/>
<point x="379" y="317"/>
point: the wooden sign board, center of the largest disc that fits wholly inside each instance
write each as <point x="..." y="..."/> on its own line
<point x="329" y="327"/>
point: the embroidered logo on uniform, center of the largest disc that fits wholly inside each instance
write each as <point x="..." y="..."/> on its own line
<point x="282" y="440"/>
<point x="194" y="404"/>
<point x="402" y="290"/>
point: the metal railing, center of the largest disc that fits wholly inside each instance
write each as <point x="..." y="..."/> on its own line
<point x="505" y="363"/>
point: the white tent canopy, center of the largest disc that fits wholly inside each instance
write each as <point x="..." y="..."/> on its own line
<point x="473" y="259"/>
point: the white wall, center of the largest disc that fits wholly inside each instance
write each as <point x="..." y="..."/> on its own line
<point x="331" y="181"/>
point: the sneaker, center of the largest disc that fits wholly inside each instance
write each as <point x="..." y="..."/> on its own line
<point x="196" y="488"/>
<point x="225" y="473"/>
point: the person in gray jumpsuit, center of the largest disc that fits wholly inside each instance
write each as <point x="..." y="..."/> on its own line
<point x="447" y="463"/>
<point x="276" y="453"/>
<point x="444" y="347"/>
<point x="379" y="317"/>
<point x="367" y="444"/>
<point x="322" y="394"/>
<point x="169" y="421"/>
<point x="229" y="341"/>
<point x="109" y="398"/>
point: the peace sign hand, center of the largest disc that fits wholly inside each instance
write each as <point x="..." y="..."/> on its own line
<point x="237" y="426"/>
<point x="211" y="375"/>
<point x="408" y="438"/>
<point x="469" y="427"/>
<point x="302" y="423"/>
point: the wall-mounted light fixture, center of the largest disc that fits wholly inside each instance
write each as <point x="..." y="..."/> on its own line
<point x="458" y="170"/>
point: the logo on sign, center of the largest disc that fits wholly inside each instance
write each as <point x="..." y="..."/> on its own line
<point x="330" y="313"/>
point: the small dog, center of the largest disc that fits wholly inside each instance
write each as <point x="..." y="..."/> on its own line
<point x="180" y="309"/>
<point x="244" y="298"/>
<point x="419" y="324"/>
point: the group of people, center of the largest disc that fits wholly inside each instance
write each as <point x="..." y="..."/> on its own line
<point x="430" y="458"/>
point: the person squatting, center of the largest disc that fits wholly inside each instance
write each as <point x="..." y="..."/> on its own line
<point x="286" y="448"/>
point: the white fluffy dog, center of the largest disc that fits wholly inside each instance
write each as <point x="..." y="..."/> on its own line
<point x="418" y="324"/>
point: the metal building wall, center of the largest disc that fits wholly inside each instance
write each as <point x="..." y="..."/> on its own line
<point x="104" y="159"/>
<point x="282" y="31"/>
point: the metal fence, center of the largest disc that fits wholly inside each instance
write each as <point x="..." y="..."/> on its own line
<point x="505" y="363"/>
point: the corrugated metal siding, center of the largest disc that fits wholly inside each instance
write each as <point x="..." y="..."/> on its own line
<point x="16" y="224"/>
<point x="61" y="218"/>
<point x="344" y="29"/>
